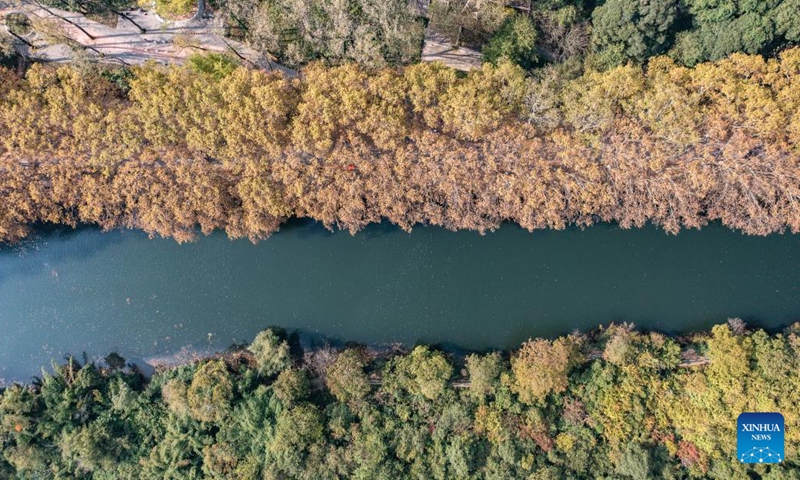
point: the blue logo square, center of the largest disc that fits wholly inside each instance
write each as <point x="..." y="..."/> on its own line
<point x="760" y="438"/>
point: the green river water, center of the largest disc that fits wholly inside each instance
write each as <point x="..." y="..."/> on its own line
<point x="65" y="291"/>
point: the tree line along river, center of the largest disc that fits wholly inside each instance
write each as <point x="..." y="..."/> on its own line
<point x="72" y="291"/>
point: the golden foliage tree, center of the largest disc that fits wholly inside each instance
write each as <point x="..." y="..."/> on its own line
<point x="542" y="367"/>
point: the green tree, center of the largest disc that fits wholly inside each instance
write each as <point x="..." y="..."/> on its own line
<point x="422" y="373"/>
<point x="484" y="373"/>
<point x="786" y="16"/>
<point x="635" y="462"/>
<point x="96" y="446"/>
<point x="345" y="377"/>
<point x="219" y="461"/>
<point x="18" y="24"/>
<point x="515" y="41"/>
<point x="292" y="386"/>
<point x="299" y="432"/>
<point x="721" y="28"/>
<point x="210" y="394"/>
<point x="624" y="30"/>
<point x="271" y="353"/>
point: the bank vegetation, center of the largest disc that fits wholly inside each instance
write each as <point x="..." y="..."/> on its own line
<point x="615" y="403"/>
<point x="174" y="150"/>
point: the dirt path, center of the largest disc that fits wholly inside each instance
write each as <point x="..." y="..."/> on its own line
<point x="438" y="49"/>
<point x="163" y="41"/>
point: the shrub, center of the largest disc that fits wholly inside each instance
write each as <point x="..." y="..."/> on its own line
<point x="217" y="65"/>
<point x="175" y="8"/>
<point x="18" y="24"/>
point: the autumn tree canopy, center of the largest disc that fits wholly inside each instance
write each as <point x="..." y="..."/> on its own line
<point x="176" y="151"/>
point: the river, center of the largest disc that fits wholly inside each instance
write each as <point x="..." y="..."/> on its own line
<point x="73" y="291"/>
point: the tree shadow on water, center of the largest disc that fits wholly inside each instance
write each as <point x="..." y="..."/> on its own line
<point x="305" y="228"/>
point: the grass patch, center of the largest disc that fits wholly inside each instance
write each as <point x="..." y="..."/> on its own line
<point x="175" y="9"/>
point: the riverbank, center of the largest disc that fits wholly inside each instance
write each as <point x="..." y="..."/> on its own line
<point x="615" y="402"/>
<point x="317" y="353"/>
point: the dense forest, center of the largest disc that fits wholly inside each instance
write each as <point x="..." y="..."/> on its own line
<point x="531" y="33"/>
<point x="614" y="403"/>
<point x="171" y="149"/>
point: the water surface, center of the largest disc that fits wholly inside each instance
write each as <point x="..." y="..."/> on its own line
<point x="79" y="291"/>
